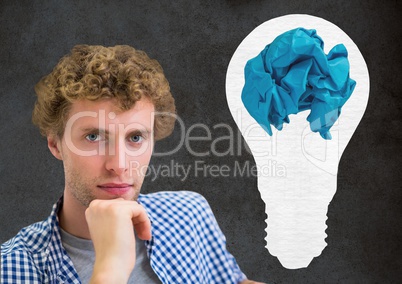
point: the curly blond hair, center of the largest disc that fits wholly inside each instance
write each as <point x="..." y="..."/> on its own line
<point x="94" y="72"/>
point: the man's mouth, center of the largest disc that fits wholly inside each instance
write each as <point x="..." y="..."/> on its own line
<point x="116" y="188"/>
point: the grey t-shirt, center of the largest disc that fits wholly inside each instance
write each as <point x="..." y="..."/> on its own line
<point x="82" y="254"/>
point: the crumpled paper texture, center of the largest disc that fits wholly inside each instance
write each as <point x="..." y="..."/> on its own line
<point x="293" y="74"/>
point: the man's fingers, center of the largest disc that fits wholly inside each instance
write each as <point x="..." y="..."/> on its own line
<point x="143" y="230"/>
<point x="141" y="222"/>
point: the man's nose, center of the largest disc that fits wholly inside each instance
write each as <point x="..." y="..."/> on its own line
<point x="116" y="158"/>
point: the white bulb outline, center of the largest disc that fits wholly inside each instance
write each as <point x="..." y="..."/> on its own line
<point x="294" y="198"/>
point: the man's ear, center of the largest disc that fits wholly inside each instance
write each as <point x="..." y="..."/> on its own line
<point x="54" y="144"/>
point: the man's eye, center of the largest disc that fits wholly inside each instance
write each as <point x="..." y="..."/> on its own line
<point x="92" y="137"/>
<point x="136" y="138"/>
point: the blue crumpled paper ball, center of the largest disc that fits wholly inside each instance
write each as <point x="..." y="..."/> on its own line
<point x="293" y="74"/>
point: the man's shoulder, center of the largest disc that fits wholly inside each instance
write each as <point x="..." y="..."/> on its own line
<point x="25" y="255"/>
<point x="35" y="238"/>
<point x="36" y="254"/>
<point x="182" y="209"/>
<point x="31" y="239"/>
<point x="185" y="234"/>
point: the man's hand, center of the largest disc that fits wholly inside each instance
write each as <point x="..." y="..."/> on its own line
<point x="110" y="224"/>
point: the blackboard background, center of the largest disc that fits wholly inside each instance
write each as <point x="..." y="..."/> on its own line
<point x="194" y="41"/>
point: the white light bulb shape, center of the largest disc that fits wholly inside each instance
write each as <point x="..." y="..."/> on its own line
<point x="297" y="168"/>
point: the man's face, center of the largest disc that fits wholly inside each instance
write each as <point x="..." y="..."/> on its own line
<point x="105" y="151"/>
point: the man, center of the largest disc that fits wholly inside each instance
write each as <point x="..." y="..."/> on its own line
<point x="101" y="110"/>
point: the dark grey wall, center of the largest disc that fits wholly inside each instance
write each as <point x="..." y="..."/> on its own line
<point x="194" y="41"/>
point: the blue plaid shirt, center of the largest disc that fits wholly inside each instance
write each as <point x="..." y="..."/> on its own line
<point x="187" y="245"/>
